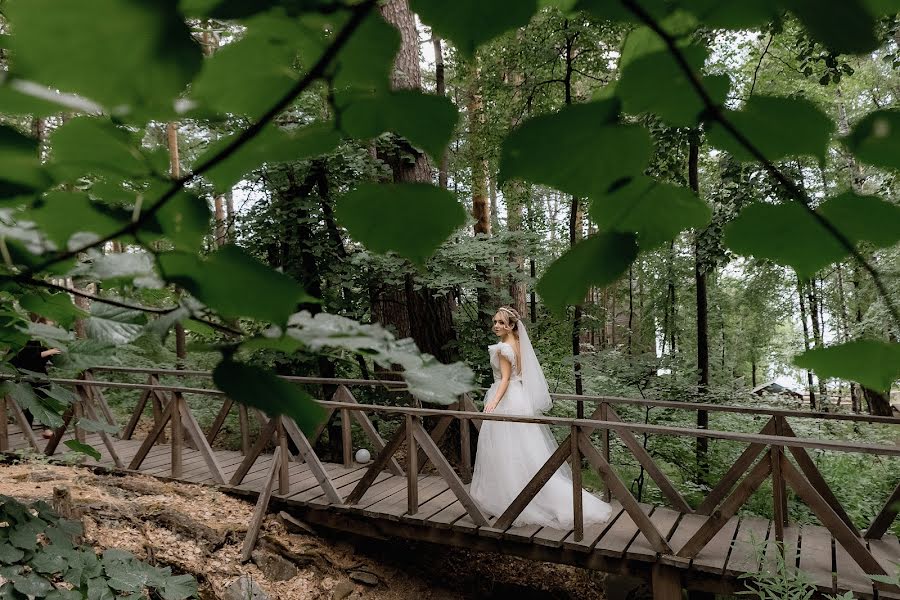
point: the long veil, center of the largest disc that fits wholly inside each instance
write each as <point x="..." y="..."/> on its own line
<point x="532" y="375"/>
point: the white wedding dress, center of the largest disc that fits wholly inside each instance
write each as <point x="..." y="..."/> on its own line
<point x="509" y="454"/>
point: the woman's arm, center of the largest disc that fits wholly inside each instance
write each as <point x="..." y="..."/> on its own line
<point x="505" y="374"/>
<point x="50" y="352"/>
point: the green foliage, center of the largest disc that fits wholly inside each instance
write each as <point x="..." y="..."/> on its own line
<point x="657" y="212"/>
<point x="42" y="560"/>
<point x="598" y="260"/>
<point x="383" y="217"/>
<point x="425" y="120"/>
<point x="106" y="42"/>
<point x="872" y="363"/>
<point x="257" y="387"/>
<point x="223" y="279"/>
<point x="471" y="23"/>
<point x="874" y="139"/>
<point x="764" y="120"/>
<point x="581" y="149"/>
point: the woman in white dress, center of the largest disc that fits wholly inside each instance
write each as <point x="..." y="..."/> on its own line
<point x="509" y="454"/>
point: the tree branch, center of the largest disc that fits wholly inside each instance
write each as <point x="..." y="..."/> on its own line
<point x="715" y="113"/>
<point x="759" y="64"/>
<point x="118" y="303"/>
<point x="317" y="71"/>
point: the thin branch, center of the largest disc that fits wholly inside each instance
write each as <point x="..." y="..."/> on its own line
<point x="713" y="110"/>
<point x="759" y="64"/>
<point x="118" y="303"/>
<point x="317" y="71"/>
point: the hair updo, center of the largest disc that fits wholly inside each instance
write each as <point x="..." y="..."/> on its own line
<point x="512" y="316"/>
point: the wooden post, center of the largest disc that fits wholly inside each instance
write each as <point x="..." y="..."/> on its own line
<point x="4" y="426"/>
<point x="346" y="438"/>
<point x="79" y="414"/>
<point x="465" y="450"/>
<point x="412" y="467"/>
<point x="577" y="499"/>
<point x="177" y="435"/>
<point x="666" y="582"/>
<point x="779" y="490"/>
<point x="262" y="504"/>
<point x="604" y="437"/>
<point x="284" y="474"/>
<point x="244" y="419"/>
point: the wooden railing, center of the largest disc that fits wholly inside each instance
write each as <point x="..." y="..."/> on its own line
<point x="775" y="453"/>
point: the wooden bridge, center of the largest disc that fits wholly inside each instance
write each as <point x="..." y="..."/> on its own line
<point x="704" y="548"/>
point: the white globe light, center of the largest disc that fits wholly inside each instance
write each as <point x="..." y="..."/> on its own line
<point x="363" y="456"/>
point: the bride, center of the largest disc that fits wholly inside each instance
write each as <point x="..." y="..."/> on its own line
<point x="509" y="454"/>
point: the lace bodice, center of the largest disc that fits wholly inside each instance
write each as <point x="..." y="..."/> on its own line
<point x="495" y="350"/>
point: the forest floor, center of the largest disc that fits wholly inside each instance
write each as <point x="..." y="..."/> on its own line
<point x="199" y="530"/>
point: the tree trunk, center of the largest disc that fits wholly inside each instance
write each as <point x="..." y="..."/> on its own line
<point x="412" y="310"/>
<point x="175" y="173"/>
<point x="702" y="446"/>
<point x="809" y="377"/>
<point x="813" y="297"/>
<point x="441" y="90"/>
<point x="482" y="205"/>
<point x="845" y="336"/>
<point x="221" y="223"/>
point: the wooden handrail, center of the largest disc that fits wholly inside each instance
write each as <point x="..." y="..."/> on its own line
<point x="749" y="438"/>
<point x="721" y="505"/>
<point x="705" y="406"/>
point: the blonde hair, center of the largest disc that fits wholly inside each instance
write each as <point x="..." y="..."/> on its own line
<point x="514" y="318"/>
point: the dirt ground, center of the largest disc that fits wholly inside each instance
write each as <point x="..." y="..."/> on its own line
<point x="200" y="530"/>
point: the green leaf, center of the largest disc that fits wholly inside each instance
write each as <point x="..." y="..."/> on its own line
<point x="57" y="307"/>
<point x="272" y="145"/>
<point x="876" y="139"/>
<point x="32" y="585"/>
<point x="874" y="364"/>
<point x="97" y="589"/>
<point x="92" y="426"/>
<point x="257" y="387"/>
<point x="49" y="562"/>
<point x="61" y="214"/>
<point x="24" y="535"/>
<point x="846" y="27"/>
<point x="597" y="261"/>
<point x="20" y="102"/>
<point x="367" y="59"/>
<point x="113" y="324"/>
<point x="428" y="380"/>
<point x="246" y="77"/>
<point x="63" y="594"/>
<point x="20" y="166"/>
<point x="85" y="354"/>
<point x="98" y="47"/>
<point x="864" y="218"/>
<point x="642" y="78"/>
<point x="91" y="145"/>
<point x="9" y="554"/>
<point x="43" y="409"/>
<point x="733" y="15"/>
<point x="616" y="11"/>
<point x="471" y="23"/>
<point x="178" y="587"/>
<point x="580" y="150"/>
<point x="121" y="268"/>
<point x="655" y="211"/>
<point x="234" y="283"/>
<point x="82" y="448"/>
<point x="786" y="234"/>
<point x="411" y="219"/>
<point x="183" y="220"/>
<point x="426" y="120"/>
<point x="764" y="121"/>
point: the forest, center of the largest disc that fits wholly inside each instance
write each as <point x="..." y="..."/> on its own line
<point x="687" y="200"/>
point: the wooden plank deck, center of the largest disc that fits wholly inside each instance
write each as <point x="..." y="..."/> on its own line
<point x="743" y="545"/>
